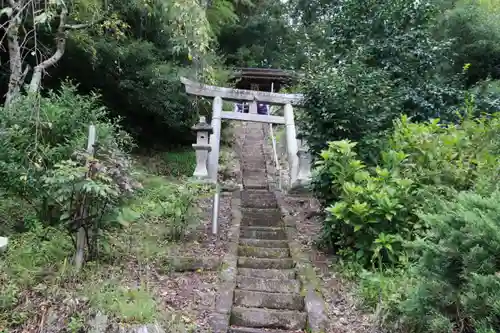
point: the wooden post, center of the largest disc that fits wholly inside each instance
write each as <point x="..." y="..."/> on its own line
<point x="291" y="143"/>
<point x="81" y="237"/>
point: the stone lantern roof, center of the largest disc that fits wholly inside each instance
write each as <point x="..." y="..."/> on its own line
<point x="202" y="126"/>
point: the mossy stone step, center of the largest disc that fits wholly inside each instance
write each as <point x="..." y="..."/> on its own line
<point x="254" y="179"/>
<point x="279" y="274"/>
<point x="264" y="243"/>
<point x="263" y="252"/>
<point x="263" y="233"/>
<point x="260" y="217"/>
<point x="267" y="318"/>
<point x="250" y="184"/>
<point x="259" y="299"/>
<point x="268" y="285"/>
<point x="253" y="164"/>
<point x="235" y="329"/>
<point x="258" y="199"/>
<point x="265" y="263"/>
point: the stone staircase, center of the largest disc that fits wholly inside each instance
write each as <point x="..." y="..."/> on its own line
<point x="267" y="297"/>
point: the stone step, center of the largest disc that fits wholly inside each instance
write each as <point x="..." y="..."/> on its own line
<point x="262" y="263"/>
<point x="263" y="242"/>
<point x="254" y="179"/>
<point x="260" y="217"/>
<point x="254" y="136"/>
<point x="253" y="174"/>
<point x="267" y="285"/>
<point x="267" y="318"/>
<point x="258" y="199"/>
<point x="255" y="184"/>
<point x="263" y="252"/>
<point x="236" y="329"/>
<point x="253" y="163"/>
<point x="263" y="233"/>
<point x="259" y="299"/>
<point x="279" y="274"/>
<point x="252" y="152"/>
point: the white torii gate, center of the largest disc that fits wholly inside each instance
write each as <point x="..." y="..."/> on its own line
<point x="299" y="172"/>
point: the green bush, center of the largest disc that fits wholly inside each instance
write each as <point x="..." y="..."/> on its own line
<point x="372" y="210"/>
<point x="458" y="271"/>
<point x="354" y="101"/>
<point x="139" y="83"/>
<point x="474" y="28"/>
<point x="448" y="155"/>
<point x="38" y="133"/>
<point x="44" y="163"/>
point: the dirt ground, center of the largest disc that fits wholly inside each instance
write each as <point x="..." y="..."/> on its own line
<point x="191" y="295"/>
<point x="345" y="316"/>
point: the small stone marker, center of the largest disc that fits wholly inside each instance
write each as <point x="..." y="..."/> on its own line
<point x="3" y="243"/>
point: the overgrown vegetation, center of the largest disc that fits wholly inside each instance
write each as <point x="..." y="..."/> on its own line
<point x="401" y="114"/>
<point x="90" y="225"/>
<point x="116" y="213"/>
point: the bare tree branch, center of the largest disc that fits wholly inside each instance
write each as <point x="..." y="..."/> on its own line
<point x="36" y="79"/>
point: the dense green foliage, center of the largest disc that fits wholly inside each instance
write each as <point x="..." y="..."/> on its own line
<point x="427" y="209"/>
<point x="376" y="61"/>
<point x="419" y="161"/>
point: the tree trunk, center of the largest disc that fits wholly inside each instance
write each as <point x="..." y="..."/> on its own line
<point x="16" y="78"/>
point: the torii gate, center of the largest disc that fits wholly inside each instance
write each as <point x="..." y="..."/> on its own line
<point x="207" y="169"/>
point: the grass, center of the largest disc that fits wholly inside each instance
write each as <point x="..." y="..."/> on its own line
<point x="39" y="287"/>
<point x="174" y="164"/>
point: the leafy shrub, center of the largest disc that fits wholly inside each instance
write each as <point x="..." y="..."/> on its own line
<point x="139" y="85"/>
<point x="448" y="155"/>
<point x="459" y="284"/>
<point x="38" y="133"/>
<point x="370" y="210"/>
<point x="371" y="213"/>
<point x="43" y="162"/>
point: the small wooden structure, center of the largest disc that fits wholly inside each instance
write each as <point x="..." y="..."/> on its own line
<point x="263" y="79"/>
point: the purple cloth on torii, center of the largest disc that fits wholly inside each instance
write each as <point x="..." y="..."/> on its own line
<point x="261" y="108"/>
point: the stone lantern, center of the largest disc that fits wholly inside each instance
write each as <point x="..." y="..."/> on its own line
<point x="304" y="172"/>
<point x="202" y="148"/>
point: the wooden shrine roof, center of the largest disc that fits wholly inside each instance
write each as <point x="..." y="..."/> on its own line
<point x="264" y="77"/>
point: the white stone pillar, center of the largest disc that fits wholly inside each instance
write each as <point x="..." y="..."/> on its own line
<point x="213" y="158"/>
<point x="252" y="107"/>
<point x="291" y="143"/>
<point x="202" y="148"/>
